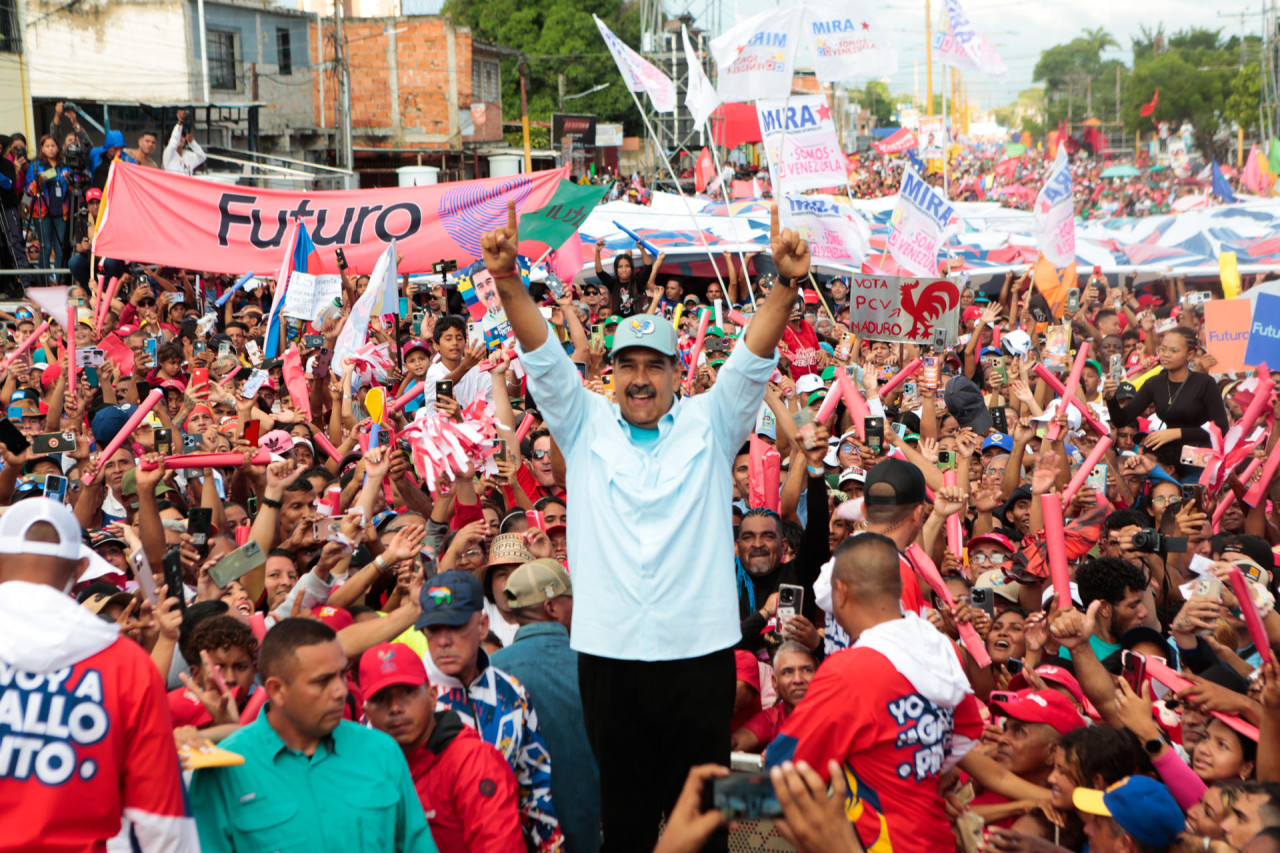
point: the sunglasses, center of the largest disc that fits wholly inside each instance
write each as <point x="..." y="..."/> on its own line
<point x="146" y="303"/>
<point x="539" y="454"/>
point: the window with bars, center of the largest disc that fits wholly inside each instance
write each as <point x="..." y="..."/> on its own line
<point x="485" y="82"/>
<point x="284" y="51"/>
<point x="223" y="64"/>
<point x="10" y="32"/>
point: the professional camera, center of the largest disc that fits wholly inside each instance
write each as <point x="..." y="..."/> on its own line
<point x="76" y="158"/>
<point x="1152" y="542"/>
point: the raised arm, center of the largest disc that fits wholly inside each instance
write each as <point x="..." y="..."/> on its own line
<point x="499" y="250"/>
<point x="791" y="257"/>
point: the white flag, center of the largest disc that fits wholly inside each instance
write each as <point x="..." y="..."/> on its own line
<point x="756" y="58"/>
<point x="800" y="143"/>
<point x="960" y="44"/>
<point x="918" y="224"/>
<point x="834" y="231"/>
<point x="356" y="332"/>
<point x="700" y="96"/>
<point x="640" y="75"/>
<point x="847" y="42"/>
<point x="1053" y="219"/>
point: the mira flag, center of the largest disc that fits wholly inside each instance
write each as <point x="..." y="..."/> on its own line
<point x="300" y="256"/>
<point x="847" y="42"/>
<point x="639" y="74"/>
<point x="960" y="44"/>
<point x="756" y="58"/>
<point x="1053" y="218"/>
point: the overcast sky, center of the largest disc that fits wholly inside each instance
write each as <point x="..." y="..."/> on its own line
<point x="1021" y="30"/>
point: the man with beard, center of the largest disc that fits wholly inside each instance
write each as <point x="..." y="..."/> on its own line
<point x="793" y="669"/>
<point x="301" y="743"/>
<point x="652" y="498"/>
<point x="760" y="570"/>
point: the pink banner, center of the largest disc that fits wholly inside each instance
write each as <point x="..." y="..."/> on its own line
<point x="160" y="217"/>
<point x="903" y="140"/>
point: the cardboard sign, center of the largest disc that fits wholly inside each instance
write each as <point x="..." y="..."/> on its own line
<point x="1226" y="325"/>
<point x="903" y="309"/>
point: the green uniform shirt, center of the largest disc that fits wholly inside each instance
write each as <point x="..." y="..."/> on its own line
<point x="354" y="794"/>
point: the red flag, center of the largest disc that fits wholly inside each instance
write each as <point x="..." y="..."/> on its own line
<point x="566" y="262"/>
<point x="1148" y="109"/>
<point x="704" y="171"/>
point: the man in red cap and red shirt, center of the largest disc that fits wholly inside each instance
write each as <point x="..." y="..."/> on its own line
<point x="467" y="788"/>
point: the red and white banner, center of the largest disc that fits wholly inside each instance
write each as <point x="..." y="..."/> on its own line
<point x="154" y="216"/>
<point x="902" y="140"/>
<point x="907" y="310"/>
<point x="801" y="144"/>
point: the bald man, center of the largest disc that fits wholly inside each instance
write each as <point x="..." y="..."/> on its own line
<point x="915" y="717"/>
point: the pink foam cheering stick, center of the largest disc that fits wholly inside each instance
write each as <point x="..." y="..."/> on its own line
<point x="207" y="460"/>
<point x="755" y="471"/>
<point x="1091" y="461"/>
<point x="105" y="305"/>
<point x="1069" y="390"/>
<point x="901" y="376"/>
<point x="526" y="424"/>
<point x="703" y="323"/>
<point x="995" y="335"/>
<point x="408" y="397"/>
<point x="27" y="344"/>
<point x="1258" y="491"/>
<point x="1250" y="612"/>
<point x="327" y="446"/>
<point x="927" y="570"/>
<point x="1055" y="384"/>
<point x="955" y="534"/>
<point x="1260" y="403"/>
<point x="854" y="403"/>
<point x="771" y="463"/>
<point x="71" y="350"/>
<point x="829" y="403"/>
<point x="126" y="431"/>
<point x="1161" y="672"/>
<point x="1230" y="497"/>
<point x="1055" y="540"/>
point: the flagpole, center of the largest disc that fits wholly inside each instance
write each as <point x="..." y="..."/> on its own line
<point x="728" y="204"/>
<point x="688" y="208"/>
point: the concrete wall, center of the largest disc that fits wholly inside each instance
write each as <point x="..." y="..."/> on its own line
<point x="15" y="110"/>
<point x="113" y="50"/>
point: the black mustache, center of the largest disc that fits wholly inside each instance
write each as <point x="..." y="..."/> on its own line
<point x="641" y="389"/>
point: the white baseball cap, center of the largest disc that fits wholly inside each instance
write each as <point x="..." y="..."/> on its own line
<point x="1073" y="415"/>
<point x="17" y="521"/>
<point x="808" y="383"/>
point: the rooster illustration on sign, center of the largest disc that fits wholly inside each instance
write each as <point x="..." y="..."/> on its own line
<point x="934" y="301"/>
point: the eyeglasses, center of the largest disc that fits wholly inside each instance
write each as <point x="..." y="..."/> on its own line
<point x="474" y="552"/>
<point x="847" y="448"/>
<point x="539" y="454"/>
<point x="1161" y="501"/>
<point x="993" y="559"/>
<point x="1167" y="351"/>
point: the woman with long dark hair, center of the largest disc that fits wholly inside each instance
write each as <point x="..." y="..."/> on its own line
<point x="48" y="181"/>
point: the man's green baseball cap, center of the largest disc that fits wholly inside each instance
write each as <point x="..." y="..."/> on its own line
<point x="645" y="330"/>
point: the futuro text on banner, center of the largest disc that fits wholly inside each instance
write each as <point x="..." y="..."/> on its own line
<point x="801" y="144"/>
<point x="639" y="74"/>
<point x="756" y="58"/>
<point x="1053" y="219"/>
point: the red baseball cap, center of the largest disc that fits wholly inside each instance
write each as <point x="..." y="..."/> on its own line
<point x="335" y="617"/>
<point x="126" y="330"/>
<point x="811" y="297"/>
<point x="1042" y="706"/>
<point x="390" y="663"/>
<point x="995" y="539"/>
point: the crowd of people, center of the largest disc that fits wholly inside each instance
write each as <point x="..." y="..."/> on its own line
<point x="49" y="190"/>
<point x="444" y="596"/>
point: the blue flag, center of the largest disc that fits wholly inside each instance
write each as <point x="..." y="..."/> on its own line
<point x="1221" y="188"/>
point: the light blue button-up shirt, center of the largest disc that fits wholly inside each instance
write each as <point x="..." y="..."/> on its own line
<point x="650" y="533"/>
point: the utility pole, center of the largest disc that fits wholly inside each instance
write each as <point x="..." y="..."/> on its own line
<point x="1118" y="95"/>
<point x="928" y="59"/>
<point x="344" y="88"/>
<point x="524" y="114"/>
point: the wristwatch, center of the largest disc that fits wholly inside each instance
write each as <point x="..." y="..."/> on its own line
<point x="274" y="504"/>
<point x="1153" y="746"/>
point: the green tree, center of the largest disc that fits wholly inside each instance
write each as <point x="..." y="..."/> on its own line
<point x="559" y="39"/>
<point x="1244" y="97"/>
<point x="1194" y="72"/>
<point x="877" y="100"/>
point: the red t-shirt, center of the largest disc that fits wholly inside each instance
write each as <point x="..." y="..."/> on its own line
<point x="801" y="349"/>
<point x="748" y="671"/>
<point x="187" y="710"/>
<point x="766" y="724"/>
<point x="891" y="741"/>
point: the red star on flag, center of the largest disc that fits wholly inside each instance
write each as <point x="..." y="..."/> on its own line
<point x="1045" y="206"/>
<point x="823" y="113"/>
<point x="741" y="48"/>
<point x="865" y="25"/>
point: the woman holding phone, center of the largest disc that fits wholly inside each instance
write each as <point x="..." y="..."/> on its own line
<point x="48" y="182"/>
<point x="1184" y="401"/>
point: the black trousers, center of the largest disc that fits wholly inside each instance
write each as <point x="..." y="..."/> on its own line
<point x="648" y="723"/>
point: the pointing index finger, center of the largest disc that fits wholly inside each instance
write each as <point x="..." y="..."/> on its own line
<point x="773" y="221"/>
<point x="511" y="215"/>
